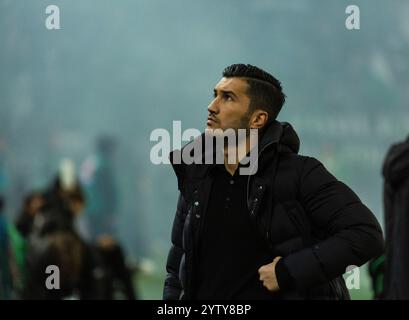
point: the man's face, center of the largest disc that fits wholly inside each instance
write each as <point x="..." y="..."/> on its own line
<point x="230" y="106"/>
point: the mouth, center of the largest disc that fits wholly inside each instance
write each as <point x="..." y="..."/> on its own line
<point x="210" y="121"/>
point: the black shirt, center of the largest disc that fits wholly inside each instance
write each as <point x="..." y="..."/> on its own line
<point x="231" y="251"/>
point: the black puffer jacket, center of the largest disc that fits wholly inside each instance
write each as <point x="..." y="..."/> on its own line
<point x="315" y="222"/>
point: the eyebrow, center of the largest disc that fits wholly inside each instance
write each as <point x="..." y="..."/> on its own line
<point x="226" y="92"/>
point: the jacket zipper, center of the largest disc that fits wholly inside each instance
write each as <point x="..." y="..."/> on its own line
<point x="258" y="198"/>
<point x="248" y="180"/>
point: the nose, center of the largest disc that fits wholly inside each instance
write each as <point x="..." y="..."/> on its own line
<point x="213" y="107"/>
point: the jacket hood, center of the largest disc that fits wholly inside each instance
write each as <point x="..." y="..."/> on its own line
<point x="396" y="165"/>
<point x="283" y="134"/>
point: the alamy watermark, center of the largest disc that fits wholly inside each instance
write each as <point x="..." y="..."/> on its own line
<point x="353" y="21"/>
<point x="213" y="147"/>
<point x="352" y="277"/>
<point x="52" y="282"/>
<point x="52" y="21"/>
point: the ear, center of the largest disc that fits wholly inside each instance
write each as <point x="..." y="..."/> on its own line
<point x="258" y="119"/>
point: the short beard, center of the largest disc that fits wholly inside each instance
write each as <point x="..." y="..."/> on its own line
<point x="244" y="122"/>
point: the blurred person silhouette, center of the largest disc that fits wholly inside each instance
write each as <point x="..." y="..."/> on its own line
<point x="11" y="244"/>
<point x="5" y="271"/>
<point x="11" y="258"/>
<point x="98" y="178"/>
<point x="376" y="271"/>
<point x="6" y="283"/>
<point x="54" y="241"/>
<point x="114" y="276"/>
<point x="32" y="204"/>
<point x="396" y="207"/>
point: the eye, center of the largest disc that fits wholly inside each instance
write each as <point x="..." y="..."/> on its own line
<point x="227" y="97"/>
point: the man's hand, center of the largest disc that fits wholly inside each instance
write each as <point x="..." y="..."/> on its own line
<point x="268" y="275"/>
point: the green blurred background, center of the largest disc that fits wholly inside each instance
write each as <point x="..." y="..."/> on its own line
<point x="124" y="68"/>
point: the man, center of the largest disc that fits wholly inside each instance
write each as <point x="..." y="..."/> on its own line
<point x="287" y="231"/>
<point x="98" y="177"/>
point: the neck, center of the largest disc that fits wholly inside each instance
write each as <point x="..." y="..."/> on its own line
<point x="234" y="154"/>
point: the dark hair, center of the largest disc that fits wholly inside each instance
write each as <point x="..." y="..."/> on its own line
<point x="264" y="90"/>
<point x="56" y="195"/>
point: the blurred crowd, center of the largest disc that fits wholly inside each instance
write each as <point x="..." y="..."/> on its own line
<point x="45" y="233"/>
